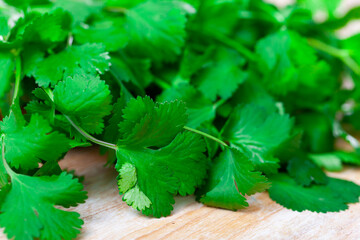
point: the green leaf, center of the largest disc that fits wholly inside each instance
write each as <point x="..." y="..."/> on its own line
<point x="283" y="56"/>
<point x="148" y="124"/>
<point x="87" y="107"/>
<point x="24" y="3"/>
<point x="342" y="21"/>
<point x="305" y="172"/>
<point x="200" y="109"/>
<point x="231" y="177"/>
<point x="209" y="12"/>
<point x="127" y="177"/>
<point x="317" y="198"/>
<point x="75" y="60"/>
<point x="80" y="10"/>
<point x="112" y="133"/>
<point x="178" y="167"/>
<point x="256" y="133"/>
<point x="133" y="70"/>
<point x="327" y="6"/>
<point x="8" y="65"/>
<point x="252" y="92"/>
<point x="28" y="211"/>
<point x="348" y="192"/>
<point x="35" y="28"/>
<point x="27" y="145"/>
<point x="222" y="75"/>
<point x="328" y="161"/>
<point x="111" y="34"/>
<point x="318" y="132"/>
<point x="156" y="30"/>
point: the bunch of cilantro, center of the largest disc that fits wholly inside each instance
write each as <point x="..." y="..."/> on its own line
<point x="222" y="99"/>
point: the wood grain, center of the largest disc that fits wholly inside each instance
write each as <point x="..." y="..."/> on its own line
<point x="107" y="217"/>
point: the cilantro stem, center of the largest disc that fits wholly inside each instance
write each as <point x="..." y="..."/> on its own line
<point x="219" y="103"/>
<point x="206" y="135"/>
<point x="89" y="137"/>
<point x="343" y="55"/>
<point x="161" y="83"/>
<point x="236" y="45"/>
<point x="6" y="166"/>
<point x="116" y="9"/>
<point x="17" y="78"/>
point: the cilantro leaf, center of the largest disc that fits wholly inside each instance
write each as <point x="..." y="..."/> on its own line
<point x="75" y="60"/>
<point x="328" y="161"/>
<point x="87" y="107"/>
<point x="156" y="30"/>
<point x="222" y="74"/>
<point x="133" y="70"/>
<point x="200" y="109"/>
<point x="109" y="33"/>
<point x="80" y="10"/>
<point x="231" y="177"/>
<point x="111" y="132"/>
<point x="283" y="56"/>
<point x="28" y="211"/>
<point x="178" y="166"/>
<point x="317" y="198"/>
<point x="148" y="124"/>
<point x="348" y="192"/>
<point x="207" y="17"/>
<point x="304" y="171"/>
<point x="34" y="28"/>
<point x="28" y="144"/>
<point x="328" y="7"/>
<point x="253" y="131"/>
<point x="8" y="64"/>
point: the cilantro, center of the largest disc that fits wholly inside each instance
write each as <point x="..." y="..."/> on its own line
<point x="7" y="61"/>
<point x="156" y="29"/>
<point x="249" y="97"/>
<point x="87" y="107"/>
<point x="304" y="171"/>
<point x="318" y="198"/>
<point x="232" y="177"/>
<point x="72" y="61"/>
<point x="211" y="81"/>
<point x="31" y="201"/>
<point x="178" y="166"/>
<point x="253" y="131"/>
<point x="111" y="34"/>
<point x="27" y="144"/>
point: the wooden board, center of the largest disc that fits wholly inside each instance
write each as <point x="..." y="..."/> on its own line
<point x="107" y="217"/>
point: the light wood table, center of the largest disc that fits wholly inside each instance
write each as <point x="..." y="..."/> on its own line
<point x="107" y="217"/>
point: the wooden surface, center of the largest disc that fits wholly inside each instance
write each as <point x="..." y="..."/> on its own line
<point x="107" y="217"/>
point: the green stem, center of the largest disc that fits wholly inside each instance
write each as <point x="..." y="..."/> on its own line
<point x="206" y="135"/>
<point x="6" y="166"/>
<point x="50" y="93"/>
<point x="161" y="83"/>
<point x="244" y="51"/>
<point x="116" y="9"/>
<point x="219" y="103"/>
<point x="17" y="78"/>
<point x="89" y="137"/>
<point x="343" y="55"/>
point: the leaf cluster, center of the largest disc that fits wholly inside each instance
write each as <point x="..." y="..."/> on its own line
<point x="221" y="99"/>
